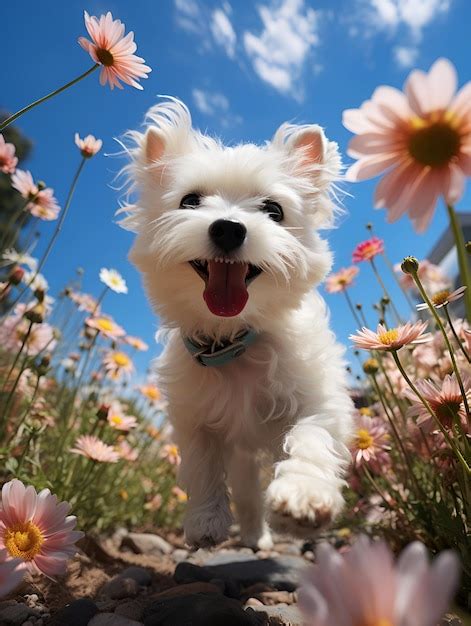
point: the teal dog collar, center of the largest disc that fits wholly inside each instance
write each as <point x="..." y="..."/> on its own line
<point x="211" y="354"/>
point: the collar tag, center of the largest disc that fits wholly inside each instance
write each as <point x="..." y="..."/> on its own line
<point x="211" y="355"/>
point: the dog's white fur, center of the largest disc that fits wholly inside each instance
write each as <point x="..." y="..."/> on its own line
<point x="287" y="394"/>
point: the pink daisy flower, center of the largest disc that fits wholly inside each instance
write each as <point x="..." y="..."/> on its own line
<point x="365" y="586"/>
<point x="11" y="573"/>
<point x="171" y="453"/>
<point x="118" y="419"/>
<point x="8" y="160"/>
<point x="126" y="452"/>
<point x="35" y="528"/>
<point x="118" y="364"/>
<point x="95" y="449"/>
<point x="392" y="339"/>
<point x="444" y="398"/>
<point x="88" y="146"/>
<point x="443" y="298"/>
<point x="85" y="302"/>
<point x="368" y="249"/>
<point x="106" y="326"/>
<point x="114" y="51"/>
<point x="42" y="202"/>
<point x="370" y="442"/>
<point x="341" y="280"/>
<point x="136" y="343"/>
<point x="420" y="138"/>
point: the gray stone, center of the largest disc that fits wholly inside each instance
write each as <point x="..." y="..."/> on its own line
<point x="198" y="610"/>
<point x="14" y="614"/>
<point x="111" y="619"/>
<point x="119" y="587"/>
<point x="146" y="543"/>
<point x="142" y="576"/>
<point x="222" y="558"/>
<point x="77" y="613"/>
<point x="133" y="609"/>
<point x="281" y="614"/>
<point x="281" y="572"/>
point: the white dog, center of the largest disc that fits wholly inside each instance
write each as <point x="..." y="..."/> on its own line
<point x="227" y="245"/>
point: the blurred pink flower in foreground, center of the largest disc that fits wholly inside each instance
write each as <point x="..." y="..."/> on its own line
<point x="35" y="528"/>
<point x="126" y="452"/>
<point x="341" y="279"/>
<point x="171" y="453"/>
<point x="106" y="326"/>
<point x="370" y="442"/>
<point x="391" y="339"/>
<point x="368" y="249"/>
<point x="444" y="398"/>
<point x="8" y="160"/>
<point x="114" y="51"/>
<point x="364" y="586"/>
<point x="420" y="138"/>
<point x="88" y="146"/>
<point x="118" y="419"/>
<point x="13" y="331"/>
<point x="41" y="200"/>
<point x="136" y="343"/>
<point x="95" y="449"/>
<point x="11" y="573"/>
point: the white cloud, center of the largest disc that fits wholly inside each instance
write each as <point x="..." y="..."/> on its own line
<point x="279" y="53"/>
<point x="188" y="15"/>
<point x="405" y="56"/>
<point x="215" y="104"/>
<point x="223" y="31"/>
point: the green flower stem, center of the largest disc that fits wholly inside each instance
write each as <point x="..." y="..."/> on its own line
<point x="455" y="335"/>
<point x="352" y="308"/>
<point x="463" y="262"/>
<point x="397" y="402"/>
<point x="386" y="293"/>
<point x="23" y="343"/>
<point x="450" y="441"/>
<point x="26" y="412"/>
<point x="34" y="104"/>
<point x="397" y="436"/>
<point x="439" y="322"/>
<point x="58" y="229"/>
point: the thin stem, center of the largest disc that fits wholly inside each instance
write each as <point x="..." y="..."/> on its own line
<point x="450" y="442"/>
<point x="24" y="110"/>
<point x="56" y="232"/>
<point x="455" y="335"/>
<point x="23" y="343"/>
<point x="386" y="293"/>
<point x="26" y="412"/>
<point x="439" y="322"/>
<point x="463" y="263"/>
<point x="352" y="308"/>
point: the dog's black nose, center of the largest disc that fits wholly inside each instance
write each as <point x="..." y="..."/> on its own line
<point x="227" y="234"/>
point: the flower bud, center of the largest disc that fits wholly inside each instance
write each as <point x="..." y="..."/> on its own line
<point x="39" y="294"/>
<point x="370" y="366"/>
<point x="41" y="185"/>
<point x="369" y="226"/>
<point x="410" y="265"/>
<point x="103" y="411"/>
<point x="37" y="314"/>
<point x="16" y="275"/>
<point x="358" y="306"/>
<point x="385" y="301"/>
<point x="42" y="367"/>
<point x="467" y="245"/>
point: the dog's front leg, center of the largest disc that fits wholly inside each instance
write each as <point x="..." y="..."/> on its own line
<point x="306" y="491"/>
<point x="202" y="474"/>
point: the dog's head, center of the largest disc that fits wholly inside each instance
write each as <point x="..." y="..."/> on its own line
<point x="226" y="236"/>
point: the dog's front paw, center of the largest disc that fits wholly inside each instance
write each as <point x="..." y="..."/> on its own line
<point x="301" y="505"/>
<point x="207" y="527"/>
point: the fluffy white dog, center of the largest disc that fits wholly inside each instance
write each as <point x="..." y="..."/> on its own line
<point x="227" y="245"/>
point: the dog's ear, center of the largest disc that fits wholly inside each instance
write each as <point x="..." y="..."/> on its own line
<point x="309" y="143"/>
<point x="154" y="145"/>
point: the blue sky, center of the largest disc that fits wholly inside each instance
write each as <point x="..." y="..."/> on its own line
<point x="243" y="68"/>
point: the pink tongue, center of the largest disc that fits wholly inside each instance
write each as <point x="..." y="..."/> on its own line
<point x="226" y="293"/>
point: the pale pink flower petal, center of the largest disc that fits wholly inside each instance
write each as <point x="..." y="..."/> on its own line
<point x="11" y="573"/>
<point x="8" y="160"/>
<point x="93" y="448"/>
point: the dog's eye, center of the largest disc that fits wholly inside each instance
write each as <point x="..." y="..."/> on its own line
<point x="273" y="209"/>
<point x="190" y="201"/>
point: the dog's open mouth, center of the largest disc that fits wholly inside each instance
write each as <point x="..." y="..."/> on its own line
<point x="226" y="283"/>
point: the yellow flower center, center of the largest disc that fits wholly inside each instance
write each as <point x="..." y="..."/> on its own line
<point x="116" y="419"/>
<point x="364" y="439"/>
<point x="120" y="359"/>
<point x="441" y="297"/>
<point x="123" y="494"/>
<point x="152" y="393"/>
<point x="389" y="336"/>
<point x="365" y="410"/>
<point x="377" y="622"/>
<point x="433" y="142"/>
<point x="105" y="57"/>
<point x="104" y="324"/>
<point x="23" y="540"/>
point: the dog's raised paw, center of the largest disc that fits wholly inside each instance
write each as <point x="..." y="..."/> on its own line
<point x="300" y="506"/>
